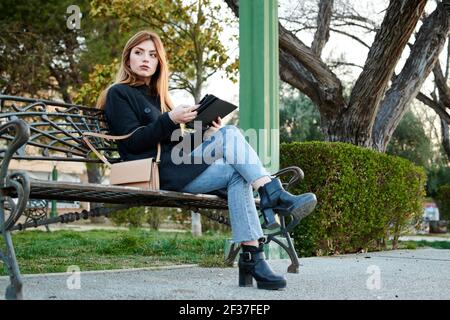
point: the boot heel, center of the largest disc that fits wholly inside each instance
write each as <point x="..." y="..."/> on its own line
<point x="270" y="222"/>
<point x="245" y="279"/>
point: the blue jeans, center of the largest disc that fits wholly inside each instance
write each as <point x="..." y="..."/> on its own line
<point x="235" y="167"/>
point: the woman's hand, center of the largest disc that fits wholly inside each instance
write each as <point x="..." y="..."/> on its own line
<point x="183" y="113"/>
<point x="216" y="125"/>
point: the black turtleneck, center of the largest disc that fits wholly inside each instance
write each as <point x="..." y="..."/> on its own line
<point x="128" y="108"/>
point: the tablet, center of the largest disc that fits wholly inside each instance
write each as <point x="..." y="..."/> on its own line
<point x="210" y="108"/>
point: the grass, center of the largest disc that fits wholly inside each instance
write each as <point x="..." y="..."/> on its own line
<point x="43" y="252"/>
<point x="440" y="235"/>
<point x="423" y="244"/>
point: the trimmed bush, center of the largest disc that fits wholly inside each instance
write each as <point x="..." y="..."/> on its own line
<point x="364" y="196"/>
<point x="443" y="202"/>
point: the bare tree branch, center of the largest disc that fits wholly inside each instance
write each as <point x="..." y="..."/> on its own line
<point x="295" y="31"/>
<point x="294" y="73"/>
<point x="335" y="64"/>
<point x="443" y="114"/>
<point x="443" y="89"/>
<point x="430" y="118"/>
<point x="182" y="83"/>
<point x="294" y="46"/>
<point x="211" y="73"/>
<point x="323" y="26"/>
<point x="352" y="24"/>
<point x="447" y="64"/>
<point x="355" y="17"/>
<point x="306" y="27"/>
<point x="234" y="6"/>
<point x="351" y="36"/>
<point x="327" y="86"/>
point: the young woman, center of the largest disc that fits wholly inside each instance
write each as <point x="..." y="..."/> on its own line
<point x="140" y="98"/>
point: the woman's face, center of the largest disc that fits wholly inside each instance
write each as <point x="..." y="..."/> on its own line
<point x="144" y="59"/>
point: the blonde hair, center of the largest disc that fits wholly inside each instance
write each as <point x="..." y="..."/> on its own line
<point x="160" y="87"/>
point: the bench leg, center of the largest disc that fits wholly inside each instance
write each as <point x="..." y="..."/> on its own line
<point x="294" y="266"/>
<point x="20" y="182"/>
<point x="14" y="289"/>
<point x="289" y="248"/>
<point x="234" y="250"/>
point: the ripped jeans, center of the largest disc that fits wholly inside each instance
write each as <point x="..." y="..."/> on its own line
<point x="234" y="167"/>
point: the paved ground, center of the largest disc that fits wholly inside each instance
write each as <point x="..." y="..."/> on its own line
<point x="403" y="274"/>
<point x="445" y="237"/>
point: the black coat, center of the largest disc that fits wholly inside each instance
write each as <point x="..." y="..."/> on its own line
<point x="128" y="108"/>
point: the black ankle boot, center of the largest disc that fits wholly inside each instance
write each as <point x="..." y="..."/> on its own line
<point x="275" y="199"/>
<point x="252" y="264"/>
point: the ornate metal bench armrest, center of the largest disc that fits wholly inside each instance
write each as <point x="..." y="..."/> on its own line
<point x="21" y="135"/>
<point x="297" y="175"/>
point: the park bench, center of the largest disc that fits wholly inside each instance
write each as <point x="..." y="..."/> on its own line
<point x="33" y="130"/>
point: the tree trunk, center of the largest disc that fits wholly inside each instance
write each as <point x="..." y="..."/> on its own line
<point x="197" y="92"/>
<point x="424" y="56"/>
<point x="94" y="176"/>
<point x="397" y="26"/>
<point x="199" y="53"/>
<point x="445" y="138"/>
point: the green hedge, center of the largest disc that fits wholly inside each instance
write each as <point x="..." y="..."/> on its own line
<point x="363" y="196"/>
<point x="443" y="202"/>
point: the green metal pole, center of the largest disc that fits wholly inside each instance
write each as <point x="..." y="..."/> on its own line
<point x="259" y="77"/>
<point x="53" y="212"/>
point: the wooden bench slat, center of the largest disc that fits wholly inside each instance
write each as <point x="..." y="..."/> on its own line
<point x="90" y="192"/>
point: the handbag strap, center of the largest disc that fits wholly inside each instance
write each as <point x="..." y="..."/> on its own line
<point x="109" y="137"/>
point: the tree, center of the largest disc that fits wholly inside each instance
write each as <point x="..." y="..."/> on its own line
<point x="379" y="97"/>
<point x="299" y="119"/>
<point x="100" y="78"/>
<point x="437" y="176"/>
<point x="39" y="52"/>
<point x="410" y="141"/>
<point x="190" y="31"/>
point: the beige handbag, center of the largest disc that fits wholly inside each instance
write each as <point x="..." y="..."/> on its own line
<point x="143" y="173"/>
